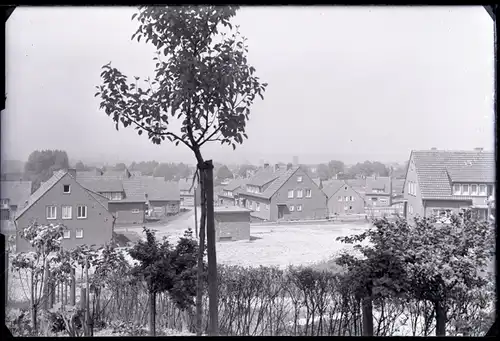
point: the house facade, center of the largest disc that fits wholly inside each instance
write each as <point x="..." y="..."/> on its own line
<point x="62" y="200"/>
<point x="229" y="194"/>
<point x="13" y="197"/>
<point x="378" y="191"/>
<point x="133" y="198"/>
<point x="343" y="199"/>
<point x="187" y="191"/>
<point x="439" y="183"/>
<point x="275" y="194"/>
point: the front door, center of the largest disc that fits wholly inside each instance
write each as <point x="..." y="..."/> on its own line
<point x="281" y="211"/>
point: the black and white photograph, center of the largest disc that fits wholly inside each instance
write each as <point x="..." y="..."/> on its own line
<point x="237" y="170"/>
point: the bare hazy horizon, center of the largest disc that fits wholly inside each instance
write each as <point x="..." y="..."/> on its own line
<point x="347" y="83"/>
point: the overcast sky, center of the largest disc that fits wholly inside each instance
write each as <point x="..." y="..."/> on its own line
<point x="344" y="83"/>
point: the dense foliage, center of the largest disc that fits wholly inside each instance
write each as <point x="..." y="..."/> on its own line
<point x="41" y="165"/>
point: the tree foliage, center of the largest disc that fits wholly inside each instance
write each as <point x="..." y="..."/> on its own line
<point x="41" y="165"/>
<point x="368" y="168"/>
<point x="242" y="171"/>
<point x="223" y="173"/>
<point x="425" y="261"/>
<point x="202" y="78"/>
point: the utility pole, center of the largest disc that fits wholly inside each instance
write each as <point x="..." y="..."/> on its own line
<point x="211" y="251"/>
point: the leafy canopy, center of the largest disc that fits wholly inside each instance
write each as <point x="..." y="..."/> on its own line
<point x="202" y="79"/>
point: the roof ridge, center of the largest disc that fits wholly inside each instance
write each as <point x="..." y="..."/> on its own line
<point x="43" y="189"/>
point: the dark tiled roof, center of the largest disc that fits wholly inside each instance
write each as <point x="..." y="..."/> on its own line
<point x="472" y="173"/>
<point x="157" y="190"/>
<point x="280" y="177"/>
<point x="121" y="174"/>
<point x="44" y="188"/>
<point x="186" y="183"/>
<point x="101" y="184"/>
<point x="333" y="187"/>
<point x="263" y="177"/>
<point x="379" y="183"/>
<point x="16" y="191"/>
<point x="433" y="169"/>
<point x="235" y="184"/>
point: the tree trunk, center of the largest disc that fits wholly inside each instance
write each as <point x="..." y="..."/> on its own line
<point x="211" y="250"/>
<point x="440" y="319"/>
<point x="34" y="324"/>
<point x="83" y="306"/>
<point x="367" y="316"/>
<point x="200" y="284"/>
<point x="196" y="213"/>
<point x="152" y="314"/>
<point x="72" y="295"/>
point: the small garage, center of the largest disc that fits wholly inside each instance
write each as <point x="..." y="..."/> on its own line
<point x="232" y="223"/>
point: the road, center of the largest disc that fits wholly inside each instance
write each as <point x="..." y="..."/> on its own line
<point x="172" y="230"/>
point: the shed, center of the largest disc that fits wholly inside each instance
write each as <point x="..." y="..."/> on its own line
<point x="232" y="223"/>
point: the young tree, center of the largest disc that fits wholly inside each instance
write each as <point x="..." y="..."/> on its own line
<point x="203" y="80"/>
<point x="165" y="268"/>
<point x="34" y="265"/>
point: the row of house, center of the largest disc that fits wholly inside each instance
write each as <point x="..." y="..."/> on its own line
<point x="440" y="183"/>
<point x="275" y="193"/>
<point x="91" y="204"/>
<point x="437" y="183"/>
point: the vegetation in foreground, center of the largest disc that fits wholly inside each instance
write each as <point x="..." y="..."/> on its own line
<point x="411" y="270"/>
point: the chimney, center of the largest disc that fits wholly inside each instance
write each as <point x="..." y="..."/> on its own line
<point x="72" y="172"/>
<point x="478" y="149"/>
<point x="276" y="167"/>
<point x="289" y="166"/>
<point x="266" y="165"/>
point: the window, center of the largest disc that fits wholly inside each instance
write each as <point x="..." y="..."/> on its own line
<point x="490" y="190"/>
<point x="291" y="208"/>
<point x="67" y="234"/>
<point x="340" y="198"/>
<point x="66" y="189"/>
<point x="79" y="233"/>
<point x="409" y="187"/>
<point x="267" y="207"/>
<point x="482" y="189"/>
<point x="81" y="212"/>
<point x="299" y="178"/>
<point x="456" y="189"/>
<point x="350" y="207"/>
<point x="290" y="193"/>
<point x="300" y="193"/>
<point x="299" y="208"/>
<point x="346" y="198"/>
<point x="345" y="207"/>
<point x="473" y="189"/>
<point x="67" y="212"/>
<point x="116" y="196"/>
<point x="351" y="198"/>
<point x="410" y="209"/>
<point x="135" y="210"/>
<point x="465" y="189"/>
<point x="5" y="202"/>
<point x="51" y="212"/>
<point x="258" y="207"/>
<point x="308" y="193"/>
<point x="345" y="188"/>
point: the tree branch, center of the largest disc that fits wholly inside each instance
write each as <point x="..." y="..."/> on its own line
<point x="174" y="136"/>
<point x="210" y="136"/>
